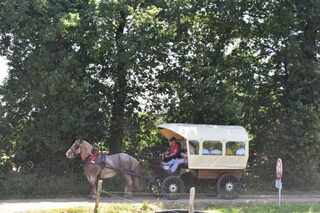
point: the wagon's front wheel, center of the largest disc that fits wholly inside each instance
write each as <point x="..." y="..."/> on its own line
<point x="172" y="187"/>
<point x="229" y="186"/>
<point x="155" y="188"/>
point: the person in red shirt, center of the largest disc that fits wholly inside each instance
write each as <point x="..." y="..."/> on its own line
<point x="174" y="150"/>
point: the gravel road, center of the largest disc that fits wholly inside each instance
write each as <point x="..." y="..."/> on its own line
<point x="9" y="206"/>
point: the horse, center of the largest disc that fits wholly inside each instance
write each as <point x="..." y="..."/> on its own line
<point x="105" y="166"/>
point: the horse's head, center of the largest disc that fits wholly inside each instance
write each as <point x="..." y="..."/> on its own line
<point x="75" y="149"/>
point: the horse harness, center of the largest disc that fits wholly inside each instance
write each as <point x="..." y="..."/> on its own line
<point x="92" y="156"/>
<point x="103" y="157"/>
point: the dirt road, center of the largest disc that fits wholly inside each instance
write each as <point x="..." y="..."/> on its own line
<point x="9" y="206"/>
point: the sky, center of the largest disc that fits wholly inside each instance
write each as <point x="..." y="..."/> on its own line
<point x="3" y="69"/>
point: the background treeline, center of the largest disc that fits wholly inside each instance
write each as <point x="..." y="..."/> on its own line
<point x="111" y="70"/>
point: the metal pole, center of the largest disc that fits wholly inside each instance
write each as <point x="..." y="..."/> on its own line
<point x="98" y="196"/>
<point x="279" y="197"/>
<point x="191" y="200"/>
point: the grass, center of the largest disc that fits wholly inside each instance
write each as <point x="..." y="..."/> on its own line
<point x="145" y="207"/>
<point x="268" y="208"/>
<point x="213" y="207"/>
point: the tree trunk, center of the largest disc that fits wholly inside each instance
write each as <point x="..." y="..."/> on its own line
<point x="117" y="125"/>
<point x="118" y="114"/>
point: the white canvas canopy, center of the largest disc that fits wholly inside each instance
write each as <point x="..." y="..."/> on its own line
<point x="206" y="133"/>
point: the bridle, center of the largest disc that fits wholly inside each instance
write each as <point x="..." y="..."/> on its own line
<point x="74" y="150"/>
<point x="91" y="156"/>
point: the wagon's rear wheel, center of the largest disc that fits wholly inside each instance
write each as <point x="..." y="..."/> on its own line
<point x="172" y="187"/>
<point x="229" y="186"/>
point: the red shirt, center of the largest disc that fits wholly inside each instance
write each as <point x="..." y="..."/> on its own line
<point x="174" y="147"/>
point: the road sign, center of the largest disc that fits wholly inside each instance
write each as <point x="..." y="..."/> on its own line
<point x="279" y="169"/>
<point x="278" y="184"/>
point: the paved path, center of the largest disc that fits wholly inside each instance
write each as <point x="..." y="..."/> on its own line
<point x="9" y="206"/>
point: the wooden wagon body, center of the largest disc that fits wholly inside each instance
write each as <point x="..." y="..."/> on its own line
<point x="215" y="152"/>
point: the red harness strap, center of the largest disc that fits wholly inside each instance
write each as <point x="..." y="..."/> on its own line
<point x="91" y="158"/>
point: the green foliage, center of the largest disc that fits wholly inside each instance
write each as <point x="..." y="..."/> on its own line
<point x="47" y="99"/>
<point x="290" y="127"/>
<point x="15" y="185"/>
<point x="112" y="70"/>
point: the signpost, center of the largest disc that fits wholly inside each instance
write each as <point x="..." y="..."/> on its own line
<point x="278" y="184"/>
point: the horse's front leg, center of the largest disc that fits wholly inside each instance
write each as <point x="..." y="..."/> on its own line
<point x="92" y="171"/>
<point x="93" y="188"/>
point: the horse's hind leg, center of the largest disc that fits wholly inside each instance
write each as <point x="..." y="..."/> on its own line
<point x="128" y="188"/>
<point x="136" y="181"/>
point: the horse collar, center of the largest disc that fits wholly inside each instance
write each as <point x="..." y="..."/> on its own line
<point x="91" y="158"/>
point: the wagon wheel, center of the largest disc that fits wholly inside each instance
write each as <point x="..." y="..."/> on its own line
<point x="155" y="188"/>
<point x="172" y="187"/>
<point x="229" y="186"/>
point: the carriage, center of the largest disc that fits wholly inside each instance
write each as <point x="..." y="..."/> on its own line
<point x="217" y="156"/>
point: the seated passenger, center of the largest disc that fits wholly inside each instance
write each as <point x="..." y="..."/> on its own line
<point x="229" y="151"/>
<point x="174" y="163"/>
<point x="174" y="150"/>
<point x="205" y="152"/>
<point x="241" y="151"/>
<point x="215" y="152"/>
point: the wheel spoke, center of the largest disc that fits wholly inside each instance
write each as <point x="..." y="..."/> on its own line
<point x="172" y="187"/>
<point x="229" y="186"/>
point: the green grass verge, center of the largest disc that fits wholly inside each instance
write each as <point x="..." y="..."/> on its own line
<point x="268" y="208"/>
<point x="146" y="207"/>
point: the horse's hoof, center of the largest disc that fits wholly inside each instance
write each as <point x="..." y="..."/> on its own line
<point x="128" y="196"/>
<point x="92" y="197"/>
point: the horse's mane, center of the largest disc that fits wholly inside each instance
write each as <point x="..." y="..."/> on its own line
<point x="86" y="149"/>
<point x="87" y="145"/>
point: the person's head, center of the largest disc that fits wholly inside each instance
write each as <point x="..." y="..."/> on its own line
<point x="173" y="140"/>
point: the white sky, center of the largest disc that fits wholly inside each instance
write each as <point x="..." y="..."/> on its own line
<point x="3" y="69"/>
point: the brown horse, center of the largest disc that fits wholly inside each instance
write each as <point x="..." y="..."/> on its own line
<point x="96" y="164"/>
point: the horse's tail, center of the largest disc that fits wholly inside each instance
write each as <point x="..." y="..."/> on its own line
<point x="136" y="180"/>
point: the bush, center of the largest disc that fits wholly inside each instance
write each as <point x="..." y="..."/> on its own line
<point x="19" y="185"/>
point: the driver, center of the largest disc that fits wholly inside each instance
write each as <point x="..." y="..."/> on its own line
<point x="174" y="163"/>
<point x="174" y="150"/>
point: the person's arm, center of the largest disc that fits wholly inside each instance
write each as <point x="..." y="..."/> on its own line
<point x="173" y="154"/>
<point x="184" y="155"/>
<point x="165" y="153"/>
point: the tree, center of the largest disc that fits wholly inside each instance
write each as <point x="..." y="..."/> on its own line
<point x="77" y="68"/>
<point x="285" y="35"/>
<point x="201" y="76"/>
<point x="128" y="44"/>
<point x="298" y="63"/>
<point x="47" y="99"/>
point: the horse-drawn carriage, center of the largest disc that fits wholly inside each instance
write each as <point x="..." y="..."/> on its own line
<point x="216" y="155"/>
